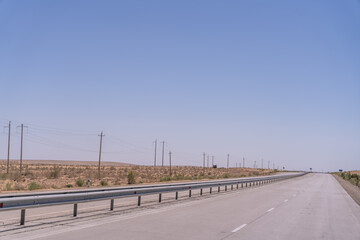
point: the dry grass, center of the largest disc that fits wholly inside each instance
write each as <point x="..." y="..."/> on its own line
<point x="44" y="175"/>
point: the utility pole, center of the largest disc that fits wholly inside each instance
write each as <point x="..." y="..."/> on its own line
<point x="101" y="137"/>
<point x="273" y="165"/>
<point x="204" y="163"/>
<point x="236" y="164"/>
<point x="243" y="162"/>
<point x="170" y="161"/>
<point x="8" y="155"/>
<point x="268" y="164"/>
<point x="21" y="145"/>
<point x="155" y="153"/>
<point x="228" y="160"/>
<point x="254" y="164"/>
<point x="262" y="163"/>
<point x="212" y="158"/>
<point x="162" y="159"/>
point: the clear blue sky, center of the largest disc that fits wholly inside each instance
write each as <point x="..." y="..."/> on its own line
<point x="272" y="80"/>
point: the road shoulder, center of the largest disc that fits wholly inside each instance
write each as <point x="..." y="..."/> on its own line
<point x="351" y="189"/>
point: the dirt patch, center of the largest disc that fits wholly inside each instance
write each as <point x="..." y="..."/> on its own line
<point x="350" y="188"/>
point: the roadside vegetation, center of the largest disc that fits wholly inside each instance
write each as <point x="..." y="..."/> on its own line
<point x="350" y="176"/>
<point x="51" y="176"/>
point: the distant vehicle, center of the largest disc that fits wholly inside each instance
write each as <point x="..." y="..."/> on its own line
<point x="340" y="170"/>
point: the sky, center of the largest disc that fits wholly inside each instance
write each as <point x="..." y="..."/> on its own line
<point x="272" y="81"/>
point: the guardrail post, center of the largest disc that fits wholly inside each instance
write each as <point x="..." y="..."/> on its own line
<point x="111" y="204"/>
<point x="176" y="195"/>
<point x="218" y="188"/>
<point x="22" y="218"/>
<point x="75" y="210"/>
<point x="237" y="186"/>
<point x="139" y="201"/>
<point x="225" y="188"/>
<point x="159" y="197"/>
<point x="232" y="187"/>
<point x="200" y="191"/>
<point x="190" y="193"/>
<point x="211" y="190"/>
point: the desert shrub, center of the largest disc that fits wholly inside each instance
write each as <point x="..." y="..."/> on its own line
<point x="112" y="168"/>
<point x="18" y="187"/>
<point x="104" y="183"/>
<point x="179" y="177"/>
<point x="16" y="176"/>
<point x="164" y="179"/>
<point x="55" y="172"/>
<point x="28" y="173"/>
<point x="347" y="176"/>
<point x="131" y="177"/>
<point x="8" y="186"/>
<point x="226" y="175"/>
<point x="34" y="186"/>
<point x="69" y="185"/>
<point x="3" y="176"/>
<point x="355" y="176"/>
<point x="80" y="182"/>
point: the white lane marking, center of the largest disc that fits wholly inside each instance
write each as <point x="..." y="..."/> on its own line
<point x="238" y="228"/>
<point x="270" y="209"/>
<point x="286" y="200"/>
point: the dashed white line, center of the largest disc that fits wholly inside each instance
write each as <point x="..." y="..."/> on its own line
<point x="270" y="209"/>
<point x="238" y="228"/>
<point x="286" y="200"/>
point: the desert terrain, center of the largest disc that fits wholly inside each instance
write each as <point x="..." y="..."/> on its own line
<point x="55" y="174"/>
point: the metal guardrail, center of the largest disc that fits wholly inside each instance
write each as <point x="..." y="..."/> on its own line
<point x="24" y="201"/>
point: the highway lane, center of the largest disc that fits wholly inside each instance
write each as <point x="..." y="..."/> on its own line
<point x="310" y="207"/>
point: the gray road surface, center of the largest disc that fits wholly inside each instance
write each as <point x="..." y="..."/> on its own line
<point x="311" y="207"/>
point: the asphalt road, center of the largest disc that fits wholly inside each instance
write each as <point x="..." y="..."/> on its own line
<point x="314" y="206"/>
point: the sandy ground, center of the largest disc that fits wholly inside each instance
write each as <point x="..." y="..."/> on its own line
<point x="49" y="175"/>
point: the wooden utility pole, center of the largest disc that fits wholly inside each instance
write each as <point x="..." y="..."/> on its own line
<point x="170" y="161"/>
<point x="228" y="160"/>
<point x="162" y="157"/>
<point x="268" y="164"/>
<point x="8" y="155"/>
<point x="155" y="153"/>
<point x="101" y="136"/>
<point x="208" y="160"/>
<point x="262" y="163"/>
<point x="204" y="162"/>
<point x="243" y="162"/>
<point x="212" y="158"/>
